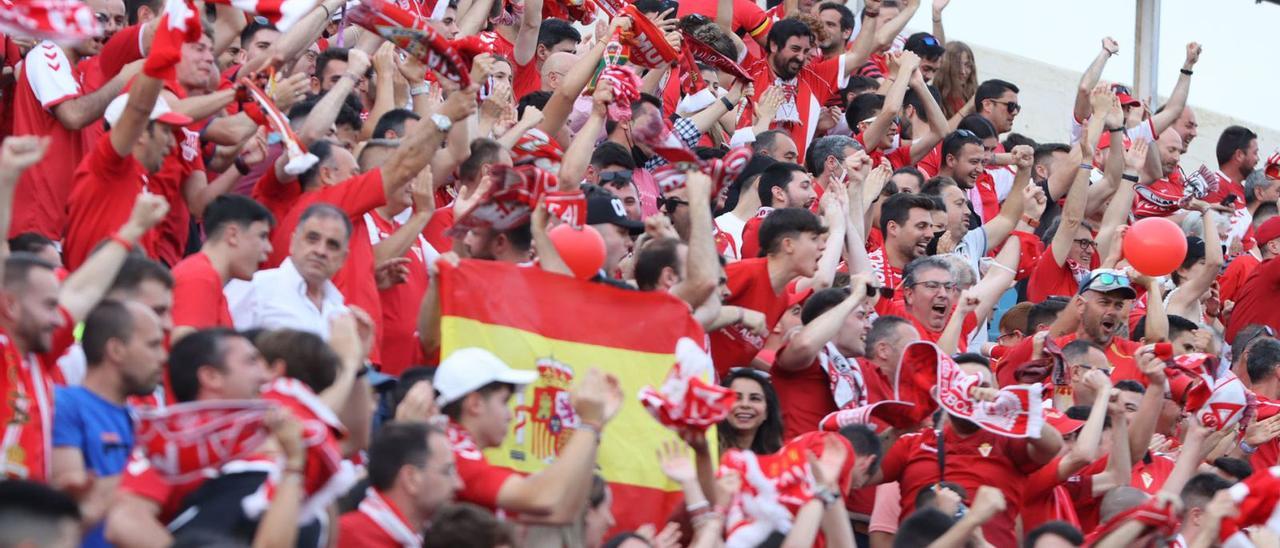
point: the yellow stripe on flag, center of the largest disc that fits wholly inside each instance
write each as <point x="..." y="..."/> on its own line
<point x="627" y="452"/>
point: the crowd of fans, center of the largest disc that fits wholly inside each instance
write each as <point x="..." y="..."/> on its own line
<point x="857" y="191"/>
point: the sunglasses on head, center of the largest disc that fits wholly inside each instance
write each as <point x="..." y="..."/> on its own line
<point x="618" y="178"/>
<point x="1105" y="278"/>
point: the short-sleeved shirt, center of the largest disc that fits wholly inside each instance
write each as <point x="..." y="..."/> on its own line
<point x="816" y="83"/>
<point x="527" y="78"/>
<point x="106" y="186"/>
<point x="198" y="300"/>
<point x="1148" y="475"/>
<point x="170" y="242"/>
<point x="1048" y="278"/>
<point x="1237" y="273"/>
<point x="124" y="47"/>
<point x="481" y="481"/>
<point x="355" y="196"/>
<point x="26" y="441"/>
<point x="1045" y="498"/>
<point x="1254" y="302"/>
<point x="46" y="80"/>
<point x="102" y="431"/>
<point x="376" y="523"/>
<point x="898" y="157"/>
<point x="400" y="348"/>
<point x="804" y="397"/>
<point x="981" y="458"/>
<point x="750" y="288"/>
<point x="277" y="197"/>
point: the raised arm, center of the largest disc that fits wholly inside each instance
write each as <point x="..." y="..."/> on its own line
<point x="863" y="45"/>
<point x="1102" y="191"/>
<point x="325" y="113"/>
<point x="1015" y="205"/>
<point x="1144" y="421"/>
<point x="938" y="129"/>
<point x="938" y="31"/>
<point x="1120" y="464"/>
<point x="1073" y="209"/>
<point x="886" y="34"/>
<point x="560" y="105"/>
<point x="525" y="46"/>
<point x="576" y="158"/>
<point x="384" y="99"/>
<point x="416" y="150"/>
<point x="81" y="111"/>
<point x="879" y="127"/>
<point x="302" y="34"/>
<point x="16" y="155"/>
<point x="1089" y="79"/>
<point x="1087" y="447"/>
<point x="473" y="21"/>
<point x="89" y="283"/>
<point x="805" y="345"/>
<point x="1178" y="99"/>
<point x="424" y="206"/>
<point x="1117" y="213"/>
<point x="1182" y="301"/>
<point x="703" y="268"/>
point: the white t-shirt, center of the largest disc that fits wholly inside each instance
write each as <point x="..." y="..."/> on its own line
<point x="730" y="224"/>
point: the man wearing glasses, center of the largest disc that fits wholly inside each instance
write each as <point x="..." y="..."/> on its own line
<point x="1096" y="314"/>
<point x="997" y="101"/>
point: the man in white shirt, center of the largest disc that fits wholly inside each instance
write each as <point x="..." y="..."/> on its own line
<point x="299" y="294"/>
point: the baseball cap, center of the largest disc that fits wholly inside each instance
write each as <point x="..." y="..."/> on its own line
<point x="1269" y="230"/>
<point x="160" y="113"/>
<point x="468" y="369"/>
<point x="1107" y="280"/>
<point x="1061" y="422"/>
<point x="605" y="208"/>
<point x="1127" y="100"/>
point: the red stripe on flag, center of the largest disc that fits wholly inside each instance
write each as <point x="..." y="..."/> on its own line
<point x="635" y="506"/>
<point x="553" y="306"/>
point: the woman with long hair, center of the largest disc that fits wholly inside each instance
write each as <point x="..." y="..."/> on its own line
<point x="957" y="78"/>
<point x="755" y="423"/>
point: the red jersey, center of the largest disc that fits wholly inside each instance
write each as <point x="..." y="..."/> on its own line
<point x="10" y="57"/>
<point x="376" y="523"/>
<point x="355" y="196"/>
<point x="46" y="80"/>
<point x="1045" y="498"/>
<point x="1235" y="276"/>
<point x="899" y="157"/>
<point x="804" y="396"/>
<point x="498" y="43"/>
<point x="1149" y="475"/>
<point x="124" y="47"/>
<point x="198" y="300"/>
<point x="400" y="302"/>
<point x="184" y="160"/>
<point x="1226" y="187"/>
<point x="1253" y="300"/>
<point x="277" y="197"/>
<point x="813" y="87"/>
<point x="481" y="481"/>
<point x="27" y="414"/>
<point x="441" y="221"/>
<point x="896" y="307"/>
<point x="106" y="186"/>
<point x="749" y="18"/>
<point x="981" y="458"/>
<point x="751" y="234"/>
<point x="1049" y="278"/>
<point x="527" y="78"/>
<point x="751" y="288"/>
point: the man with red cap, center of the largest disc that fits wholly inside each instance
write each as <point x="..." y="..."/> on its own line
<point x="1252" y="300"/>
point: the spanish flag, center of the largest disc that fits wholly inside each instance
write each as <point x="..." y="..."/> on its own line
<point x="560" y="327"/>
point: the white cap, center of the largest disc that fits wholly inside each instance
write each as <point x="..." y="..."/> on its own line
<point x="468" y="369"/>
<point x="160" y="112"/>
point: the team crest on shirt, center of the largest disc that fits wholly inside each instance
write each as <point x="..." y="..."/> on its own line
<point x="1147" y="479"/>
<point x="542" y="427"/>
<point x="985" y="449"/>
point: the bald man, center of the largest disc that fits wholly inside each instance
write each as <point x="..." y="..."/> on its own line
<point x="554" y="69"/>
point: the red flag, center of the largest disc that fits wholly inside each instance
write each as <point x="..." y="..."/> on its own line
<point x="183" y="439"/>
<point x="414" y="35"/>
<point x="649" y="47"/>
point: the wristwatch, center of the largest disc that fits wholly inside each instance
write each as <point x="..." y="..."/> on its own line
<point x="442" y="122"/>
<point x="827" y="495"/>
<point x="420" y="89"/>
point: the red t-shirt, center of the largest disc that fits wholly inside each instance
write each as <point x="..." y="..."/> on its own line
<point x="1049" y="278"/>
<point x="277" y="197"/>
<point x="750" y="248"/>
<point x="815" y="85"/>
<point x="46" y="80"/>
<point x="1253" y="300"/>
<point x="804" y="397"/>
<point x="896" y="307"/>
<point x="900" y="156"/>
<point x="1237" y="273"/>
<point x="106" y="186"/>
<point x="1040" y="501"/>
<point x="441" y="221"/>
<point x="400" y="348"/>
<point x="498" y="43"/>
<point x="184" y="160"/>
<point x="1147" y="476"/>
<point x="355" y="196"/>
<point x="375" y="524"/>
<point x="1226" y="187"/>
<point x="198" y="300"/>
<point x="981" y="458"/>
<point x="481" y="481"/>
<point x="527" y="78"/>
<point x="749" y="287"/>
<point x="1119" y="353"/>
<point x="26" y="443"/>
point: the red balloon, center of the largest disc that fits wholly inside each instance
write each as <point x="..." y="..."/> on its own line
<point x="581" y="249"/>
<point x="1155" y="246"/>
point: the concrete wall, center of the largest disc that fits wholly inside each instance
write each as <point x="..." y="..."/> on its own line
<point x="1048" y="92"/>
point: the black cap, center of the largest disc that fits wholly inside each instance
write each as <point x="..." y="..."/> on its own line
<point x="924" y="45"/>
<point x="604" y="208"/>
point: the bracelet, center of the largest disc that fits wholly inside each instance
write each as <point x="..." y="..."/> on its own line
<point x="1187" y="72"/>
<point x="126" y="244"/>
<point x="328" y="14"/>
<point x="420" y="89"/>
<point x="1115" y="129"/>
<point x="1246" y="448"/>
<point x="1129" y="177"/>
<point x="1087" y="167"/>
<point x="299" y="470"/>
<point x="703" y="506"/>
<point x="241" y="166"/>
<point x="1033" y="222"/>
<point x="1003" y="267"/>
<point x="702" y="519"/>
<point x="584" y="425"/>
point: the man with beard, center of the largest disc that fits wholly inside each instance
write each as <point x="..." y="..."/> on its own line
<point x="792" y="240"/>
<point x="806" y="87"/>
<point x="816" y="371"/>
<point x="1237" y="154"/>
<point x="93" y="428"/>
<point x="781" y="185"/>
<point x="1096" y="314"/>
<point x="906" y="221"/>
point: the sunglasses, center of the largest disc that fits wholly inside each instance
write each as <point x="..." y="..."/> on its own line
<point x="617" y="178"/>
<point x="1011" y="105"/>
<point x="670" y="205"/>
<point x="1105" y="279"/>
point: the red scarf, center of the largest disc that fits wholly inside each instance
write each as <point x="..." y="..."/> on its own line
<point x="686" y="403"/>
<point x="184" y="439"/>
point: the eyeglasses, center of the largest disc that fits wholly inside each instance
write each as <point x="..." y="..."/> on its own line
<point x="670" y="205"/>
<point x="1011" y="105"/>
<point x="1087" y="368"/>
<point x="1085" y="243"/>
<point x="1010" y="336"/>
<point x="966" y="133"/>
<point x="1121" y="88"/>
<point x="934" y="286"/>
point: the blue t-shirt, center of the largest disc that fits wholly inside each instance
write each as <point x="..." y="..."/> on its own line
<point x="101" y="430"/>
